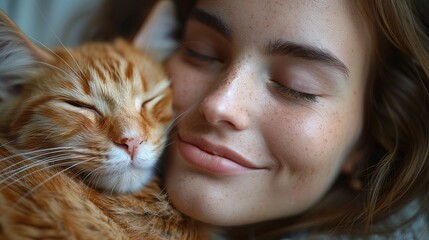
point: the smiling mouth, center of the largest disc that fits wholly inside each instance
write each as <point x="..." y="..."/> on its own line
<point x="214" y="159"/>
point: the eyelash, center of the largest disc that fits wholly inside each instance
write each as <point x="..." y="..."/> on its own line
<point x="295" y="94"/>
<point x="82" y="105"/>
<point x="202" y="57"/>
<point x="284" y="90"/>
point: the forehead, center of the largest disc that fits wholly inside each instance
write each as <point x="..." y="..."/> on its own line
<point x="275" y="15"/>
<point x="114" y="72"/>
<point x="334" y="25"/>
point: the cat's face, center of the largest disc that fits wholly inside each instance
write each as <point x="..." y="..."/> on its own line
<point x="102" y="109"/>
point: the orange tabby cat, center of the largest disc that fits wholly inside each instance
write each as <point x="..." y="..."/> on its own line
<point x="76" y="120"/>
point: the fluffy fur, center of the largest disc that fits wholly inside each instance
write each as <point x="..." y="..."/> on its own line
<point x="77" y="121"/>
<point x="63" y="208"/>
<point x="101" y="110"/>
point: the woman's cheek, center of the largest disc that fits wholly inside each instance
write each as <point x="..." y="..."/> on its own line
<point x="182" y="81"/>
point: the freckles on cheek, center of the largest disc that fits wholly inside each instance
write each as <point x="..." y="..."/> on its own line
<point x="182" y="90"/>
<point x="179" y="92"/>
<point x="327" y="135"/>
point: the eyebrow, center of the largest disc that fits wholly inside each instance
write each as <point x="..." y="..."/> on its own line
<point x="312" y="53"/>
<point x="275" y="48"/>
<point x="211" y="20"/>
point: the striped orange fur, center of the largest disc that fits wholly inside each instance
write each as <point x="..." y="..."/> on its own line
<point x="63" y="208"/>
<point x="80" y="133"/>
<point x="106" y="104"/>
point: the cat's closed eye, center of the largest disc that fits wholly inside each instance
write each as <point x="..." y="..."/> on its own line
<point x="148" y="101"/>
<point x="101" y="110"/>
<point x="79" y="104"/>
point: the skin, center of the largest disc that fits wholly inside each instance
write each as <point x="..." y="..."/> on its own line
<point x="295" y="118"/>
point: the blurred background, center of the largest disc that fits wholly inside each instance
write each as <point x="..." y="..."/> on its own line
<point x="49" y="21"/>
<point x="71" y="22"/>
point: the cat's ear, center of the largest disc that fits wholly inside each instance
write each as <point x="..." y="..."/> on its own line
<point x="156" y="34"/>
<point x="18" y="57"/>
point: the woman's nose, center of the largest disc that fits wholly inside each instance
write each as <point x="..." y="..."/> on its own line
<point x="227" y="104"/>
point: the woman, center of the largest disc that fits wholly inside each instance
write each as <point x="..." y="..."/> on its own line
<point x="300" y="117"/>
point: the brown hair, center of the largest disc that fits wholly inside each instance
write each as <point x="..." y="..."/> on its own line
<point x="398" y="111"/>
<point x="395" y="142"/>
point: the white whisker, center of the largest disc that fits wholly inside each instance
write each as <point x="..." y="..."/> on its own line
<point x="55" y="54"/>
<point x="47" y="180"/>
<point x="32" y="164"/>
<point x="114" y="186"/>
<point x="41" y="163"/>
<point x="56" y="68"/>
<point x="90" y="175"/>
<point x="180" y="116"/>
<point x="26" y="159"/>
<point x="3" y="145"/>
<point x="77" y="65"/>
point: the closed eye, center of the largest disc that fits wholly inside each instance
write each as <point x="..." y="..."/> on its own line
<point x="200" y="56"/>
<point x="294" y="93"/>
<point x="83" y="105"/>
<point x="148" y="100"/>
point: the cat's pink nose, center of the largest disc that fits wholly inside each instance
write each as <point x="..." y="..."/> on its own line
<point x="130" y="145"/>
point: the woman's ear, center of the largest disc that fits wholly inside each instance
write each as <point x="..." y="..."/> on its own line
<point x="353" y="166"/>
<point x="354" y="162"/>
<point x="18" y="57"/>
<point x="156" y="35"/>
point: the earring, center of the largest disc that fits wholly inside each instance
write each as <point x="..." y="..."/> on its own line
<point x="355" y="184"/>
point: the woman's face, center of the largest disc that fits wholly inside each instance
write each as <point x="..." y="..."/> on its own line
<point x="270" y="99"/>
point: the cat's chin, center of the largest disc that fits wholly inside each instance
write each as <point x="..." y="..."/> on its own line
<point x="123" y="183"/>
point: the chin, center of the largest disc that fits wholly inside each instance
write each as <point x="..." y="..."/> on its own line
<point x="211" y="212"/>
<point x="207" y="205"/>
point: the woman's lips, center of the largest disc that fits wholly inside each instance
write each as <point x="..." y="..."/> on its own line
<point x="213" y="158"/>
